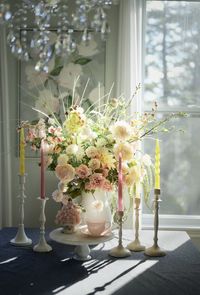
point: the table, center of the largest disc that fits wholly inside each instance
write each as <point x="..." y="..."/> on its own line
<point x="80" y="240"/>
<point x="25" y="272"/>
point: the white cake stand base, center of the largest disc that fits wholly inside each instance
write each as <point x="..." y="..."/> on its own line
<point x="82" y="253"/>
<point x="80" y="240"/>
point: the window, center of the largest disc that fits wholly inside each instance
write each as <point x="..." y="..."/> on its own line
<point x="172" y="78"/>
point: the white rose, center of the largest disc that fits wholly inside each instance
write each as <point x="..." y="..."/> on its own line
<point x="57" y="196"/>
<point x="121" y="130"/>
<point x="80" y="154"/>
<point x="87" y="133"/>
<point x="62" y="159"/>
<point x="125" y="149"/>
<point x="72" y="149"/>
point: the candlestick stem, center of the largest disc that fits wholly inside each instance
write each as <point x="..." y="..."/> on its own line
<point x="21" y="238"/>
<point x="120" y="251"/>
<point x="42" y="245"/>
<point x="155" y="250"/>
<point x="136" y="245"/>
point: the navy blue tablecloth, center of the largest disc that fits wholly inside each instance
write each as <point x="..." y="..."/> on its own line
<point x="25" y="272"/>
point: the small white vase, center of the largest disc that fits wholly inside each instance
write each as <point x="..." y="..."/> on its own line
<point x="93" y="213"/>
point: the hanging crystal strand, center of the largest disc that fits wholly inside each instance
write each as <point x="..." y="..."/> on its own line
<point x="17" y="37"/>
<point x="13" y="37"/>
<point x="42" y="12"/>
<point x="42" y="20"/>
<point x="81" y="21"/>
<point x="65" y="44"/>
<point x="5" y="14"/>
<point x="100" y="23"/>
<point x="24" y="25"/>
<point x="80" y="18"/>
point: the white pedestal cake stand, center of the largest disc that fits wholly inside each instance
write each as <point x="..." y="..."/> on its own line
<point x="81" y="240"/>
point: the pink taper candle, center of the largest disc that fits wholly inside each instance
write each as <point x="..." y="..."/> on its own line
<point x="120" y="180"/>
<point x="42" y="187"/>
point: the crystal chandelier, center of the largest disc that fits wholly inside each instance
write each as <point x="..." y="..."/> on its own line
<point x="5" y="14"/>
<point x="88" y="17"/>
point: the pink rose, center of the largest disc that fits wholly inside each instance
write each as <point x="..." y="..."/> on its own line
<point x="65" y="172"/>
<point x="83" y="171"/>
<point x="96" y="181"/>
<point x="107" y="186"/>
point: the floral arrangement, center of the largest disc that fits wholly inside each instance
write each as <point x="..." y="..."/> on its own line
<point x="84" y="148"/>
<point x="69" y="215"/>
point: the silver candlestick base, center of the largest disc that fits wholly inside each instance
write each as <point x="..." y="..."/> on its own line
<point x="120" y="251"/>
<point x="21" y="238"/>
<point x="155" y="250"/>
<point x="136" y="246"/>
<point x="42" y="245"/>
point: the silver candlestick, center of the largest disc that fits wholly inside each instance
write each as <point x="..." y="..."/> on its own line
<point x="21" y="238"/>
<point x="120" y="251"/>
<point x="42" y="245"/>
<point x="136" y="245"/>
<point x="155" y="250"/>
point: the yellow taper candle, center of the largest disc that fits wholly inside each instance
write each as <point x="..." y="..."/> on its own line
<point x="157" y="165"/>
<point x="22" y="153"/>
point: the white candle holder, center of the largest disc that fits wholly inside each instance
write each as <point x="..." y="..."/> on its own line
<point x="42" y="245"/>
<point x="21" y="238"/>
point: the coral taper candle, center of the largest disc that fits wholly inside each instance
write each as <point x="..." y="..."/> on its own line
<point x="157" y="165"/>
<point x="42" y="181"/>
<point x="120" y="181"/>
<point x="22" y="153"/>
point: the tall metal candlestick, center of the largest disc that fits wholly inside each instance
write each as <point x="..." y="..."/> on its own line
<point x="120" y="251"/>
<point x="155" y="250"/>
<point x="136" y="245"/>
<point x="21" y="238"/>
<point x="42" y="245"/>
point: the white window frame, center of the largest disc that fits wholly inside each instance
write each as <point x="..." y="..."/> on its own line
<point x="189" y="223"/>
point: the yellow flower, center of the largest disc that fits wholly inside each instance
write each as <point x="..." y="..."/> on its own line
<point x="106" y="158"/>
<point x="74" y="122"/>
<point x="125" y="149"/>
<point x="57" y="149"/>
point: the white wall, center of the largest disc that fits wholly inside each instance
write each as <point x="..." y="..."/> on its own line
<point x="32" y="205"/>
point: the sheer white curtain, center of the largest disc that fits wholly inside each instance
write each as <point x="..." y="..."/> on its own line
<point x="5" y="144"/>
<point x="130" y="48"/>
<point x="130" y="57"/>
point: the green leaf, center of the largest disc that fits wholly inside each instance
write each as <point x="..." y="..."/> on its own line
<point x="82" y="61"/>
<point x="56" y="71"/>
